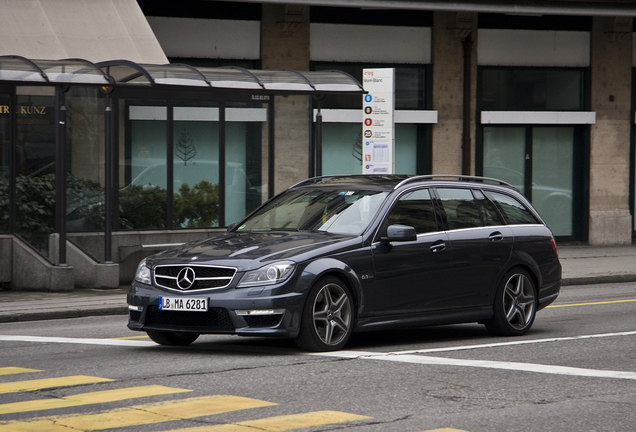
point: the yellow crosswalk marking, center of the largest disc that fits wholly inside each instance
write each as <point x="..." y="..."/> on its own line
<point x="16" y="370"/>
<point x="281" y="423"/>
<point x="31" y="385"/>
<point x="136" y="415"/>
<point x="89" y="398"/>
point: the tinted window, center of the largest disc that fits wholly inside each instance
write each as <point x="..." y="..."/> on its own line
<point x="488" y="212"/>
<point x="514" y="212"/>
<point x="414" y="209"/>
<point x="535" y="89"/>
<point x="460" y="208"/>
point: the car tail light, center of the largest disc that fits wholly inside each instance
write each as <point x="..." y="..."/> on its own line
<point x="554" y="246"/>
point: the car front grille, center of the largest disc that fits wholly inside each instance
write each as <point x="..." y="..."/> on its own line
<point x="215" y="319"/>
<point x="193" y="277"/>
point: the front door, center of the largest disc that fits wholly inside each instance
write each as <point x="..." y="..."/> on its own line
<point x="411" y="277"/>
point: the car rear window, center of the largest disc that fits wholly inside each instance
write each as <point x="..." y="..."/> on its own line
<point x="515" y="213"/>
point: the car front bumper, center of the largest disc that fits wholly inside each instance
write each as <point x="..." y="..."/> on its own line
<point x="272" y="311"/>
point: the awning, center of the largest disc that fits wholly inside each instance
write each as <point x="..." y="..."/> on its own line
<point x="67" y="72"/>
<point x="231" y="78"/>
<point x="20" y="70"/>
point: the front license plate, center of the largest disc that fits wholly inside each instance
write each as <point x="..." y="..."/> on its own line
<point x="192" y="304"/>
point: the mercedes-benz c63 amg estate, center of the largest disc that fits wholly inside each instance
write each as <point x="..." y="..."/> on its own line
<point x="342" y="254"/>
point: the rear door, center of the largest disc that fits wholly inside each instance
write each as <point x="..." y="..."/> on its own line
<point x="481" y="244"/>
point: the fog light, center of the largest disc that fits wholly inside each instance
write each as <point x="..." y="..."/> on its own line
<point x="135" y="308"/>
<point x="260" y="312"/>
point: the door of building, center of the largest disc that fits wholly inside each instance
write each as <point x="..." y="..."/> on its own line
<point x="546" y="164"/>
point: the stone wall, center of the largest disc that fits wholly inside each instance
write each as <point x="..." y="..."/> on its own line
<point x="611" y="74"/>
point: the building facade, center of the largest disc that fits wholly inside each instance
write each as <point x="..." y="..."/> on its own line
<point x="538" y="94"/>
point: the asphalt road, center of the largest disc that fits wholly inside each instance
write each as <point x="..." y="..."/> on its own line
<point x="575" y="371"/>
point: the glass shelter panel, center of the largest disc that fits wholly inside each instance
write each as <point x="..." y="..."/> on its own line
<point x="35" y="170"/>
<point x="142" y="195"/>
<point x="244" y="161"/>
<point x="5" y="142"/>
<point x="196" y="166"/>
<point x="85" y="186"/>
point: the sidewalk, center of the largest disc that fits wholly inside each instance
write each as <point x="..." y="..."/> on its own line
<point x="581" y="265"/>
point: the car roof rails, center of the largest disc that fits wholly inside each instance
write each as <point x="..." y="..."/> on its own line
<point x="315" y="180"/>
<point x="454" y="177"/>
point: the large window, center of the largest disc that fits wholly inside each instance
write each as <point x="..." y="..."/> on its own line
<point x="539" y="161"/>
<point x="531" y="89"/>
<point x="546" y="162"/>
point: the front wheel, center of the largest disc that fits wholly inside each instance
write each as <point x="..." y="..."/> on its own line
<point x="172" y="338"/>
<point x="328" y="317"/>
<point x="515" y="305"/>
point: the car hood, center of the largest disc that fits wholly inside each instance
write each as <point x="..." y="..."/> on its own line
<point x="254" y="249"/>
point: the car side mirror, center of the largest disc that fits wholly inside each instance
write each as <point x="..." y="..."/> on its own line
<point x="400" y="233"/>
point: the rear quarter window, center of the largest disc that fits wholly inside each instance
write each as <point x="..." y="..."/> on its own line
<point x="514" y="212"/>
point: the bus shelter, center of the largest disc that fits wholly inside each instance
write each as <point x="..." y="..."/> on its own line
<point x="118" y="136"/>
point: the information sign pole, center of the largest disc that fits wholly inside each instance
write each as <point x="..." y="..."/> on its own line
<point x="378" y="121"/>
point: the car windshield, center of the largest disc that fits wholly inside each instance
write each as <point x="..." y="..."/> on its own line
<point x="335" y="211"/>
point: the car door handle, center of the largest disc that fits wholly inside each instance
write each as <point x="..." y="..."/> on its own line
<point x="438" y="246"/>
<point x="496" y="236"/>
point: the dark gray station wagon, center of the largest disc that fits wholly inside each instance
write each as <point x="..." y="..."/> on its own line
<point x="334" y="255"/>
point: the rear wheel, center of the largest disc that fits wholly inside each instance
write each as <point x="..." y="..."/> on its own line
<point x="515" y="305"/>
<point x="172" y="338"/>
<point x="328" y="317"/>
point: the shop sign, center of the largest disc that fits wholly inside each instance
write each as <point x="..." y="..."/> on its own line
<point x="25" y="110"/>
<point x="378" y="121"/>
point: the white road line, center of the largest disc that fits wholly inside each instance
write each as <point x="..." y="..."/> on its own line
<point x="517" y="342"/>
<point x="524" y="367"/>
<point x="402" y="356"/>
<point x="85" y="341"/>
<point x="410" y="357"/>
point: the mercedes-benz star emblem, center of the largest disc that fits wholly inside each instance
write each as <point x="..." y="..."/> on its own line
<point x="185" y="278"/>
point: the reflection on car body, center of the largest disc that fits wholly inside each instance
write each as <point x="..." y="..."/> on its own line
<point x="339" y="254"/>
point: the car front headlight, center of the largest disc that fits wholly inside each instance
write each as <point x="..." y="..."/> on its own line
<point x="268" y="275"/>
<point x="143" y="273"/>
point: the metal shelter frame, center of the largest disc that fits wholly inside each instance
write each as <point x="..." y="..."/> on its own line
<point x="113" y="74"/>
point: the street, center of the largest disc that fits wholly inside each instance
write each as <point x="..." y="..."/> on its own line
<point x="574" y="371"/>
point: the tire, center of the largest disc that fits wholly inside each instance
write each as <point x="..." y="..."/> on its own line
<point x="515" y="305"/>
<point x="328" y="316"/>
<point x="172" y="338"/>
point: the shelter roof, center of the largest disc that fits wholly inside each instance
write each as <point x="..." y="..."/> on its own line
<point x="20" y="70"/>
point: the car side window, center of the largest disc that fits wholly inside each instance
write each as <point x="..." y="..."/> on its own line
<point x="414" y="209"/>
<point x="460" y="207"/>
<point x="515" y="213"/>
<point x="488" y="211"/>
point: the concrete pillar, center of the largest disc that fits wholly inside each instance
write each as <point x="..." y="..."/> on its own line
<point x="285" y="44"/>
<point x="611" y="54"/>
<point x="449" y="30"/>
